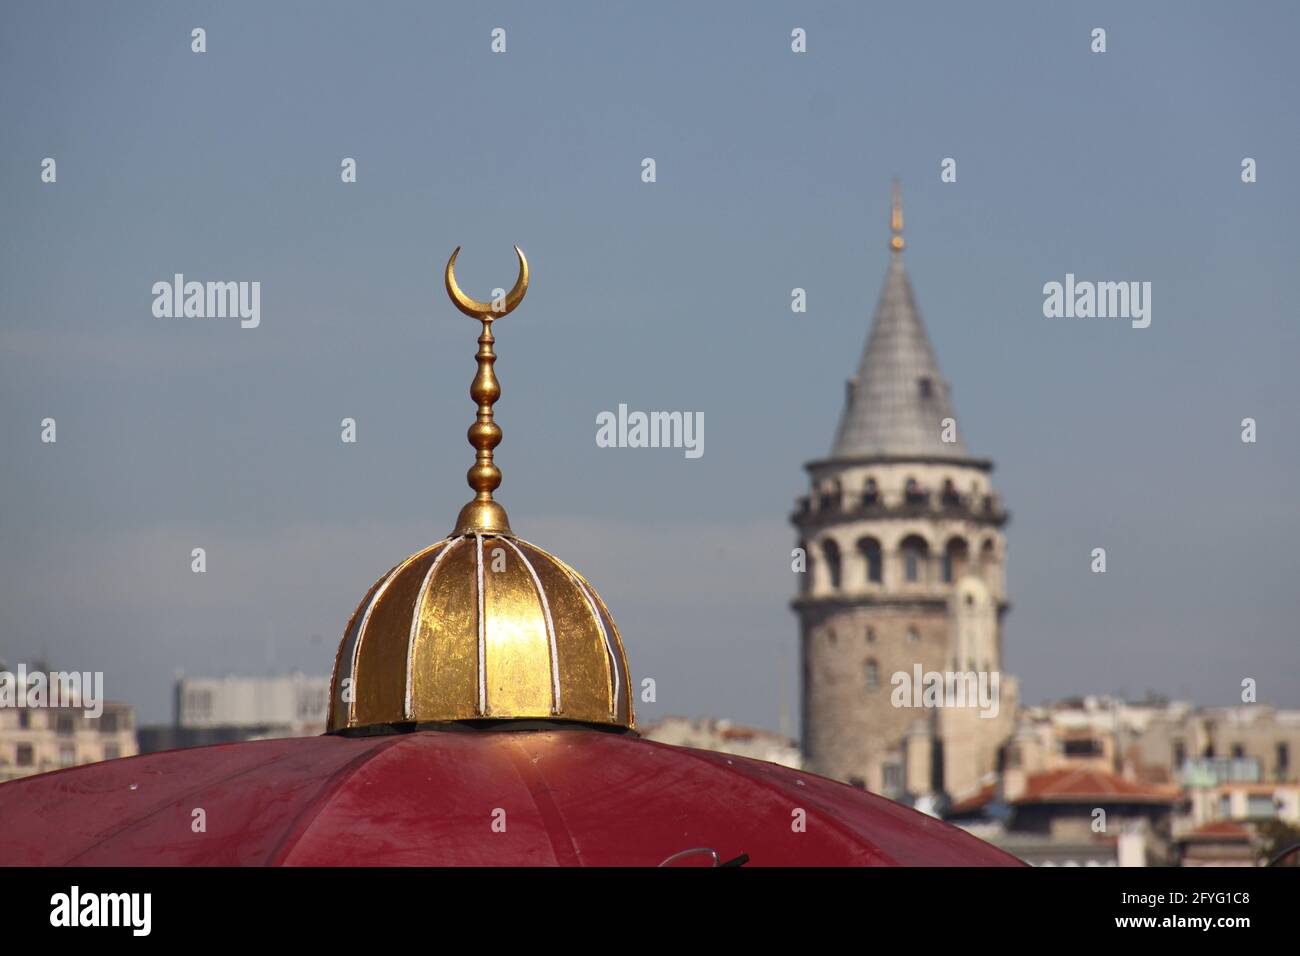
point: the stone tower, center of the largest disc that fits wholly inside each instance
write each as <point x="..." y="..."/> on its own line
<point x="902" y="533"/>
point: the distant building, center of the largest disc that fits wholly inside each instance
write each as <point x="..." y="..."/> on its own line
<point x="1218" y="844"/>
<point x="1177" y="783"/>
<point x="36" y="739"/>
<point x="1245" y="802"/>
<point x="1160" y="741"/>
<point x="1073" y="817"/>
<point x="725" y="737"/>
<point x="212" y="710"/>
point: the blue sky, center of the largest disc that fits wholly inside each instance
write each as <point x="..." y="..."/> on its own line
<point x="773" y="172"/>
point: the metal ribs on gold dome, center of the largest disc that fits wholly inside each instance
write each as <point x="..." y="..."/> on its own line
<point x="463" y="631"/>
<point x="482" y="625"/>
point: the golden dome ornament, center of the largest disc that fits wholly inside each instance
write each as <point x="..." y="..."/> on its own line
<point x="484" y="514"/>
<point x="481" y="628"/>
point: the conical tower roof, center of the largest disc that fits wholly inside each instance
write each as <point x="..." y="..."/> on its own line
<point x="896" y="405"/>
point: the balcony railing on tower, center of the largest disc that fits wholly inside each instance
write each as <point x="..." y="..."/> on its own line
<point x="829" y="507"/>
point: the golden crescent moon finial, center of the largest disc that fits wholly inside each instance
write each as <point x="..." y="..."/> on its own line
<point x="487" y="311"/>
<point x="484" y="515"/>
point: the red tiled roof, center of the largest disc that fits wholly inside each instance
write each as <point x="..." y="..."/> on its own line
<point x="975" y="801"/>
<point x="1075" y="786"/>
<point x="739" y="733"/>
<point x="1220" y="831"/>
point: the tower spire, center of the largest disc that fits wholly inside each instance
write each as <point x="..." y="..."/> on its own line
<point x="896" y="219"/>
<point x="897" y="402"/>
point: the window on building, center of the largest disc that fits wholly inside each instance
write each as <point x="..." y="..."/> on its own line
<point x="1180" y="753"/>
<point x="950" y="495"/>
<point x="915" y="553"/>
<point x="828" y="499"/>
<point x="24" y="719"/>
<point x="112" y="751"/>
<point x="1283" y="760"/>
<point x="1082" y="747"/>
<point x="1238" y="751"/>
<point x="871" y="558"/>
<point x="1261" y="806"/>
<point x="108" y="723"/>
<point x="913" y="492"/>
<point x="871" y="635"/>
<point x="311" y="704"/>
<point x="831" y="551"/>
<point x="65" y="724"/>
<point x="25" y="756"/>
<point x="988" y="563"/>
<point x="912" y="636"/>
<point x="891" y="778"/>
<point x="871" y="493"/>
<point x="67" y="755"/>
<point x="955" y="559"/>
<point x="925" y="387"/>
<point x="872" y="674"/>
<point x="198" y="704"/>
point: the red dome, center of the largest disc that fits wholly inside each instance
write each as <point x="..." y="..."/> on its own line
<point x="572" y="797"/>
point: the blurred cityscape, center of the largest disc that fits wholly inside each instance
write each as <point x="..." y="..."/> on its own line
<point x="901" y="561"/>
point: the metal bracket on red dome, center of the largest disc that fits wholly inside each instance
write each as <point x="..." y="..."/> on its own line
<point x="717" y="860"/>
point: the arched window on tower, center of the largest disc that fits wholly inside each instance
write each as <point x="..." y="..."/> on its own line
<point x="988" y="562"/>
<point x="955" y="558"/>
<point x="828" y="498"/>
<point x="871" y="493"/>
<point x="915" y="553"/>
<point x="871" y="558"/>
<point x="831" y="552"/>
<point x="914" y="492"/>
<point x="951" y="497"/>
<point x="872" y="674"/>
